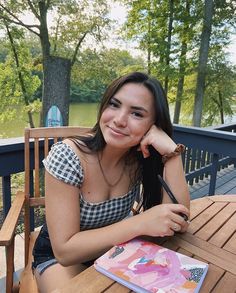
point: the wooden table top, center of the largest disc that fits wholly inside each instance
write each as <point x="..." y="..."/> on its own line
<point x="211" y="237"/>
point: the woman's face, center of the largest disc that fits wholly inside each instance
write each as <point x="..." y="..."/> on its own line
<point x="128" y="116"/>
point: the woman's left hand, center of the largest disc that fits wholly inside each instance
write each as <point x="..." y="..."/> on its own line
<point x="157" y="138"/>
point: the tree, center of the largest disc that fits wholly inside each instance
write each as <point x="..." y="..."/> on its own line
<point x="220" y="90"/>
<point x="202" y="62"/>
<point x="182" y="61"/>
<point x="17" y="82"/>
<point x="75" y="21"/>
<point x="19" y="70"/>
<point x="168" y="45"/>
<point x="172" y="34"/>
<point x="95" y="70"/>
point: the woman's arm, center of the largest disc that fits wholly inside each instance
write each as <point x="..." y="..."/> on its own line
<point x="71" y="246"/>
<point x="173" y="169"/>
<point x="175" y="178"/>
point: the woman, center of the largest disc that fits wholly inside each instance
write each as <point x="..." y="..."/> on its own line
<point x="92" y="182"/>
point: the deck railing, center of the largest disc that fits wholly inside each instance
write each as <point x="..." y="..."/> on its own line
<point x="207" y="151"/>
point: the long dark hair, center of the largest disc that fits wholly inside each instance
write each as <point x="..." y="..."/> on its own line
<point x="151" y="166"/>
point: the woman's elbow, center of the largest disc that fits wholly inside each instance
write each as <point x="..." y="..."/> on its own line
<point x="63" y="257"/>
<point x="66" y="257"/>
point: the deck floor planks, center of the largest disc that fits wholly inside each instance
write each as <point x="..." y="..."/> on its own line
<point x="225" y="184"/>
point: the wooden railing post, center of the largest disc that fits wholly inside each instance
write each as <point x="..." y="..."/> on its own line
<point x="215" y="159"/>
<point x="10" y="266"/>
<point x="6" y="194"/>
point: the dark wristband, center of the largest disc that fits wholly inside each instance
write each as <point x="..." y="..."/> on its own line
<point x="178" y="151"/>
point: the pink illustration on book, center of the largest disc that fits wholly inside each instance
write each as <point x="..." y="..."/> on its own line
<point x="153" y="267"/>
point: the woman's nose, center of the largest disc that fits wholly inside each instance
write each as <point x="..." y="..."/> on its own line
<point x="120" y="119"/>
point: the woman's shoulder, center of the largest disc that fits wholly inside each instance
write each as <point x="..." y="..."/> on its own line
<point x="78" y="147"/>
<point x="65" y="148"/>
<point x="64" y="163"/>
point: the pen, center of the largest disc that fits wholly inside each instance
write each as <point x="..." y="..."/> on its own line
<point x="171" y="195"/>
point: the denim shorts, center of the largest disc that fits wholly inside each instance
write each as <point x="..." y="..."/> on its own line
<point x="43" y="253"/>
<point x="40" y="268"/>
<point x="44" y="265"/>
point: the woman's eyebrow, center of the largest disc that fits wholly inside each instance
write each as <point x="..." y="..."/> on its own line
<point x="115" y="100"/>
<point x="138" y="108"/>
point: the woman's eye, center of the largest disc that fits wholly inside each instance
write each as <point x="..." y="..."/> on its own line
<point x="137" y="114"/>
<point x="113" y="104"/>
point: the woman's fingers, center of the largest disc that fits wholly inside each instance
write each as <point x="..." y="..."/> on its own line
<point x="180" y="210"/>
<point x="144" y="147"/>
<point x="176" y="227"/>
<point x="179" y="224"/>
<point x="180" y="220"/>
<point x="177" y="221"/>
<point x="168" y="217"/>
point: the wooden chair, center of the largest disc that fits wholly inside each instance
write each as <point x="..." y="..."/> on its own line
<point x="37" y="145"/>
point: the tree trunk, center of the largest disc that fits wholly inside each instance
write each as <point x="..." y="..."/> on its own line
<point x="170" y="27"/>
<point x="180" y="87"/>
<point x="202" y="62"/>
<point x="56" y="87"/>
<point x="149" y="40"/>
<point x="221" y="107"/>
<point x="149" y="50"/>
<point x="56" y="75"/>
<point x="182" y="68"/>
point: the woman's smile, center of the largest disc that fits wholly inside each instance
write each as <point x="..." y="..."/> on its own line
<point x="117" y="132"/>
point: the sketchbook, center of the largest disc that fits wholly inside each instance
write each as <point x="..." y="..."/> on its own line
<point x="143" y="266"/>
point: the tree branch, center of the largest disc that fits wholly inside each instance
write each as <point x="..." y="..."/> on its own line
<point x="77" y="47"/>
<point x="48" y="2"/>
<point x="17" y="21"/>
<point x="33" y="10"/>
<point x="56" y="34"/>
<point x="217" y="102"/>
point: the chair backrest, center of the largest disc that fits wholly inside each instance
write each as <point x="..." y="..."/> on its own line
<point x="37" y="145"/>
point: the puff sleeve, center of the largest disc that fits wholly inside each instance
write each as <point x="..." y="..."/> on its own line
<point x="63" y="163"/>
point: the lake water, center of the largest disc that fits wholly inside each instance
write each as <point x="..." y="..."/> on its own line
<point x="80" y="114"/>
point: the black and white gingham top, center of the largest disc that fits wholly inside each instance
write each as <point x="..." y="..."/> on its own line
<point x="63" y="163"/>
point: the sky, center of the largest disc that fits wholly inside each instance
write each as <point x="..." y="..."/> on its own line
<point x="232" y="50"/>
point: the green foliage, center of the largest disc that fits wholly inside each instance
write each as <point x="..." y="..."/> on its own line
<point x="147" y="24"/>
<point x="220" y="91"/>
<point x="74" y="20"/>
<point x="11" y="96"/>
<point x="17" y="182"/>
<point x="94" y="70"/>
<point x="81" y="24"/>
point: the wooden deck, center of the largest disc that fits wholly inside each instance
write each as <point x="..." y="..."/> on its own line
<point x="225" y="184"/>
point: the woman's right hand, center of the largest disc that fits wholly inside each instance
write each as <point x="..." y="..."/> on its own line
<point x="163" y="220"/>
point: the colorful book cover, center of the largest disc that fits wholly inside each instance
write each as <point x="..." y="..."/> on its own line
<point x="143" y="267"/>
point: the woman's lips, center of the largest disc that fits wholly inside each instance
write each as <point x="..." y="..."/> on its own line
<point x="116" y="131"/>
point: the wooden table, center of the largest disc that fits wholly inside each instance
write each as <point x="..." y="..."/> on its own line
<point x="211" y="237"/>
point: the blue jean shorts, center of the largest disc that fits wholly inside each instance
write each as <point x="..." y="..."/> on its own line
<point x="40" y="268"/>
<point x="43" y="253"/>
